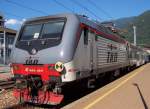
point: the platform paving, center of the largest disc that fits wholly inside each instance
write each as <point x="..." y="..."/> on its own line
<point x="131" y="91"/>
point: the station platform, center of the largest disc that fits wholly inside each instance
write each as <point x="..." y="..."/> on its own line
<point x="131" y="91"/>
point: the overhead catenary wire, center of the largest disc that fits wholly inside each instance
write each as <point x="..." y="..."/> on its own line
<point x="26" y="7"/>
<point x="57" y="2"/>
<point x="13" y="14"/>
<point x="62" y="5"/>
<point x="88" y="10"/>
<point x="99" y="8"/>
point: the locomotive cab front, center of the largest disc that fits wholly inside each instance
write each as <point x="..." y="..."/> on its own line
<point x="41" y="58"/>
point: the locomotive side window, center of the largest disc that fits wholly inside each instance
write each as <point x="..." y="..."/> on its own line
<point x="96" y="37"/>
<point x="86" y="36"/>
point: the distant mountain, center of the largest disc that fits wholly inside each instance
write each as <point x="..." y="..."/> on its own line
<point x="142" y="23"/>
<point x="123" y="22"/>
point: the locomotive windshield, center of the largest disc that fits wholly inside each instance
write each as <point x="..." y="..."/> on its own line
<point x="49" y="30"/>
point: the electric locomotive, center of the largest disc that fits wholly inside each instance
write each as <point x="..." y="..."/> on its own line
<point x="53" y="51"/>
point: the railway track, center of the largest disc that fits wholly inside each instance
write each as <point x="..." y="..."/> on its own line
<point x="32" y="106"/>
<point x="6" y="85"/>
<point x="20" y="106"/>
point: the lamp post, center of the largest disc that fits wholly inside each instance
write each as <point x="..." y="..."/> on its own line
<point x="4" y="49"/>
<point x="134" y="29"/>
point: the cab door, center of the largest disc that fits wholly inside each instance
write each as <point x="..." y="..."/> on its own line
<point x="88" y="49"/>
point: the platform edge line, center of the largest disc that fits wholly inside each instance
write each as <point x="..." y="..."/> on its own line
<point x="118" y="86"/>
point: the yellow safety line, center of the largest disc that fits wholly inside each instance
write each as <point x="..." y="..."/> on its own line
<point x="112" y="90"/>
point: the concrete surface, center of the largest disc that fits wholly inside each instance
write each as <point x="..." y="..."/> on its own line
<point x="132" y="91"/>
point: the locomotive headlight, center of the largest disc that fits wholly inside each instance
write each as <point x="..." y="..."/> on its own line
<point x="59" y="66"/>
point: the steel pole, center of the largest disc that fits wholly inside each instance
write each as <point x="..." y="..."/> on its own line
<point x="134" y="29"/>
<point x="4" y="49"/>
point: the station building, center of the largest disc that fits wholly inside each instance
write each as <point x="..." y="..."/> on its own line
<point x="9" y="39"/>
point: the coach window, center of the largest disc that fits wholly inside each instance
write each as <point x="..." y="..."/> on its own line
<point x="86" y="36"/>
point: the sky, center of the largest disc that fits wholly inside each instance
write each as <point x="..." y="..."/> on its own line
<point x="17" y="11"/>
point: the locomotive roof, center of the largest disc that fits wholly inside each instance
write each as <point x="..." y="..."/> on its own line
<point x="96" y="26"/>
<point x="107" y="33"/>
<point x="50" y="17"/>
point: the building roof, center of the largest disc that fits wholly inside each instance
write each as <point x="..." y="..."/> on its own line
<point x="1" y="14"/>
<point x="8" y="30"/>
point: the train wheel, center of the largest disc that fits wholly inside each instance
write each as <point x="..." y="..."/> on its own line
<point x="91" y="83"/>
<point x="114" y="74"/>
<point x="128" y="69"/>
